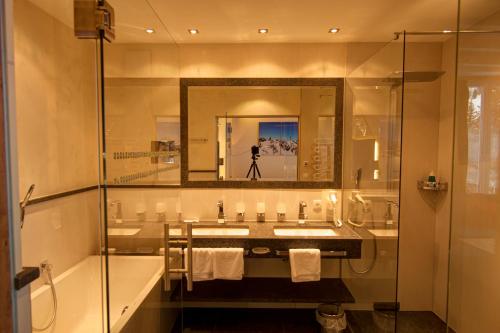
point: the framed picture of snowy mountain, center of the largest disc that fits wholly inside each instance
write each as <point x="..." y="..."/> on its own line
<point x="278" y="138"/>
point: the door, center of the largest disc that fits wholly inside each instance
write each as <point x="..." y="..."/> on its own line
<point x="140" y="172"/>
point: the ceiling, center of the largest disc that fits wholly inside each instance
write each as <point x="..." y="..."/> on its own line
<point x="289" y="21"/>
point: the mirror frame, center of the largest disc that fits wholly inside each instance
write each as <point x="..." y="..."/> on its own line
<point x="338" y="83"/>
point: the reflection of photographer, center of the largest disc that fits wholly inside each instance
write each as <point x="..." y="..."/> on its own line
<point x="254" y="168"/>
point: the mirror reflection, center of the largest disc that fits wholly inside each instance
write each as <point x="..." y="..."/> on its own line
<point x="263" y="133"/>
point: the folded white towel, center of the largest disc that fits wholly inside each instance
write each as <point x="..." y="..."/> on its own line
<point x="228" y="263"/>
<point x="305" y="265"/>
<point x="203" y="263"/>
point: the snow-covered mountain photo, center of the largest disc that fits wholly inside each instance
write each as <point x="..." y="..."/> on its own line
<point x="278" y="138"/>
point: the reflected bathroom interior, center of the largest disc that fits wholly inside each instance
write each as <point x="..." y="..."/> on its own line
<point x="245" y="167"/>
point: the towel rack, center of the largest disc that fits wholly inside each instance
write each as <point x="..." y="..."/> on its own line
<point x="326" y="254"/>
<point x="188" y="264"/>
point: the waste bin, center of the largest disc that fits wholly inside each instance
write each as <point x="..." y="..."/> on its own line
<point x="331" y="317"/>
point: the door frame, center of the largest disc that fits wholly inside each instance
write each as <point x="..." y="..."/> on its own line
<point x="15" y="304"/>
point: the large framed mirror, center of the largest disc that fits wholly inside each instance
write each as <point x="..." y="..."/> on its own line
<point x="261" y="133"/>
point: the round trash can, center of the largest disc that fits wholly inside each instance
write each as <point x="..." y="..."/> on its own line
<point x="331" y="317"/>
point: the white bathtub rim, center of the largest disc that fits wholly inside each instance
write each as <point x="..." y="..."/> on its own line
<point x="118" y="325"/>
<point x="45" y="287"/>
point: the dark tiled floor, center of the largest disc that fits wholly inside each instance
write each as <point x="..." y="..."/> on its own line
<point x="407" y="322"/>
<point x="300" y="321"/>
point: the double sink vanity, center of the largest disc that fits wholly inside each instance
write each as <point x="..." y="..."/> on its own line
<point x="259" y="239"/>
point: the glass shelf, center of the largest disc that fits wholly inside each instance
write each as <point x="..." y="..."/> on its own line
<point x="425" y="186"/>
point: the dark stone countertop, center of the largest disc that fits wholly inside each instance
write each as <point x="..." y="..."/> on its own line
<point x="261" y="234"/>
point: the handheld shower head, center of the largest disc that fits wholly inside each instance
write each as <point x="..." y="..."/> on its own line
<point x="25" y="202"/>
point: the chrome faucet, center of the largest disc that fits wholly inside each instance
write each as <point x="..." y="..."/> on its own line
<point x="220" y="216"/>
<point x="389" y="220"/>
<point x="118" y="212"/>
<point x="302" y="214"/>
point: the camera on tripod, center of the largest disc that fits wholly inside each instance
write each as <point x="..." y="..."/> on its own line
<point x="254" y="168"/>
<point x="255" y="152"/>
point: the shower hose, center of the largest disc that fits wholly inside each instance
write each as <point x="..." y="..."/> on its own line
<point x="375" y="250"/>
<point x="47" y="269"/>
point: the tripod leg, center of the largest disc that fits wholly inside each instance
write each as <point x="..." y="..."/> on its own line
<point x="257" y="168"/>
<point x="249" y="170"/>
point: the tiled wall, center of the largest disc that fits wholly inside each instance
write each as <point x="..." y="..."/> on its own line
<point x="202" y="203"/>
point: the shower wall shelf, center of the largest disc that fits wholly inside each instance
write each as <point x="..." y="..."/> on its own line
<point x="422" y="185"/>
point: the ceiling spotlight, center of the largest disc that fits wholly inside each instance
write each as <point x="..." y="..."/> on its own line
<point x="193" y="31"/>
<point x="150" y="30"/>
<point x="263" y="31"/>
<point x="333" y="30"/>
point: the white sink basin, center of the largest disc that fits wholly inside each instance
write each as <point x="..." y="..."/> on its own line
<point x="304" y="232"/>
<point x="175" y="231"/>
<point x="123" y="231"/>
<point x="229" y="231"/>
<point x="384" y="233"/>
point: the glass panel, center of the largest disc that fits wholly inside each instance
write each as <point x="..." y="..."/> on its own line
<point x="284" y="133"/>
<point x="55" y="87"/>
<point x="140" y="127"/>
<point x="474" y="257"/>
<point x="372" y="145"/>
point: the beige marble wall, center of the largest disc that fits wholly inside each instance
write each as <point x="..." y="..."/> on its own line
<point x="55" y="81"/>
<point x="55" y="78"/>
<point x="263" y="60"/>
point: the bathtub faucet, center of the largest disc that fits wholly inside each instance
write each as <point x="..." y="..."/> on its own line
<point x="220" y="215"/>
<point x="118" y="212"/>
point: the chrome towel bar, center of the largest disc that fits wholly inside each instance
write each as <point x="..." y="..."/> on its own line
<point x="326" y="254"/>
<point x="187" y="264"/>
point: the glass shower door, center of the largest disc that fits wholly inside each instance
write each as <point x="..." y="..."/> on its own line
<point x="473" y="295"/>
<point x="371" y="184"/>
<point x="140" y="159"/>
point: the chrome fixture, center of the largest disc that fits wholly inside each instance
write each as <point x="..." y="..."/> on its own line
<point x="118" y="216"/>
<point x="187" y="255"/>
<point x="389" y="219"/>
<point x="358" y="178"/>
<point x="354" y="218"/>
<point x="302" y="214"/>
<point x="240" y="216"/>
<point x="261" y="217"/>
<point x="93" y="18"/>
<point x="220" y="216"/>
<point x="25" y="202"/>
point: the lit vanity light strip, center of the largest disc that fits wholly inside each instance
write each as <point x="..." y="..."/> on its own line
<point x="143" y="174"/>
<point x="123" y="155"/>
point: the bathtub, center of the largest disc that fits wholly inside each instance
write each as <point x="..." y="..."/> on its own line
<point x="79" y="293"/>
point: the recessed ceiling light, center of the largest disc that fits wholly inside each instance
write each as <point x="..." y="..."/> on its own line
<point x="333" y="30"/>
<point x="263" y="31"/>
<point x="194" y="31"/>
<point x="150" y="30"/>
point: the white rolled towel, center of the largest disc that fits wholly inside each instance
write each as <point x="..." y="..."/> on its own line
<point x="305" y="265"/>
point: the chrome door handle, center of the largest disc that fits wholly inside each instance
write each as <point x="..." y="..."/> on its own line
<point x="166" y="256"/>
<point x="189" y="267"/>
<point x="187" y="264"/>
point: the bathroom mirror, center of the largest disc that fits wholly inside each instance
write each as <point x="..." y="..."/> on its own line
<point x="266" y="133"/>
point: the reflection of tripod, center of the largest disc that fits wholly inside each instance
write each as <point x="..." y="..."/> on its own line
<point x="254" y="167"/>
